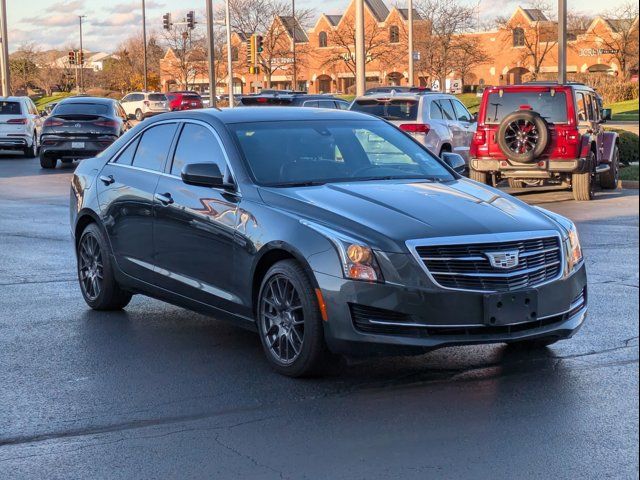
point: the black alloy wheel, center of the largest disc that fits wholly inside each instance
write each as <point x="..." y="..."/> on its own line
<point x="90" y="267"/>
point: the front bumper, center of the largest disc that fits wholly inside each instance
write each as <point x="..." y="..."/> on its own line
<point x="542" y="168"/>
<point x="389" y="319"/>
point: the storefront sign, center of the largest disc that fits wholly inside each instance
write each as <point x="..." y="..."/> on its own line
<point x="596" y="52"/>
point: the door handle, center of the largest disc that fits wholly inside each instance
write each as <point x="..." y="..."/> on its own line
<point x="107" y="179"/>
<point x="164" y="198"/>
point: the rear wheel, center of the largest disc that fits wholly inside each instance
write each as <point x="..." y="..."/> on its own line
<point x="289" y="322"/>
<point x="582" y="184"/>
<point x="48" y="162"/>
<point x="609" y="180"/>
<point x="95" y="273"/>
<point x="32" y="151"/>
<point x="482" y="177"/>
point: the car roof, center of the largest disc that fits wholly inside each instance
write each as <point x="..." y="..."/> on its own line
<point x="541" y="85"/>
<point x="267" y="114"/>
<point x="12" y="99"/>
<point x="99" y="100"/>
<point x="401" y="95"/>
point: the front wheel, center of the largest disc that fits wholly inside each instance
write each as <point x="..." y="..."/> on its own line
<point x="609" y="180"/>
<point x="95" y="273"/>
<point x="290" y="323"/>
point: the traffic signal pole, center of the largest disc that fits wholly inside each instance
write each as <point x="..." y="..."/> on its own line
<point x="411" y="59"/>
<point x="562" y="41"/>
<point x="361" y="80"/>
<point x="212" y="69"/>
<point x="144" y="46"/>
<point x="229" y="54"/>
<point x="80" y="60"/>
<point x="4" y="52"/>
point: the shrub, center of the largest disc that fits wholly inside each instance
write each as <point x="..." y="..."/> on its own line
<point x="628" y="145"/>
<point x="612" y="89"/>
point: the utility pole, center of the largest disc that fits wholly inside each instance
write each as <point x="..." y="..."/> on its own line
<point x="212" y="69"/>
<point x="4" y="53"/>
<point x="229" y="55"/>
<point x="295" y="25"/>
<point x="144" y="46"/>
<point x="411" y="59"/>
<point x="361" y="79"/>
<point x="80" y="62"/>
<point x="562" y="41"/>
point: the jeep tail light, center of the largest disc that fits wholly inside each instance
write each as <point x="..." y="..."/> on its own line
<point x="415" y="128"/>
<point x="572" y="136"/>
<point x="480" y="137"/>
<point x="53" y="122"/>
<point x="17" y="121"/>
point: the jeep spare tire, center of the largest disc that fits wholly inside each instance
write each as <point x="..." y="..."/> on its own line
<point x="523" y="136"/>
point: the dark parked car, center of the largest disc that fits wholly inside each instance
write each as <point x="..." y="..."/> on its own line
<point x="80" y="127"/>
<point x="294" y="99"/>
<point x="328" y="232"/>
<point x="184" y="100"/>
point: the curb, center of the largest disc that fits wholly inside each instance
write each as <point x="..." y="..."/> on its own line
<point x="630" y="184"/>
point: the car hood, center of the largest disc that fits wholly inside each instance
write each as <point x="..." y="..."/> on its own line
<point x="387" y="214"/>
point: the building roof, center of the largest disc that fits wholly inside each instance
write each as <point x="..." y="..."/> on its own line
<point x="378" y="8"/>
<point x="404" y="12"/>
<point x="293" y="25"/>
<point x="620" y="24"/>
<point x="334" y="20"/>
<point x="535" y="14"/>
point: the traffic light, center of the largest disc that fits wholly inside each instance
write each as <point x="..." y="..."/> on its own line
<point x="191" y="20"/>
<point x="72" y="57"/>
<point x="251" y="53"/>
<point x="166" y="21"/>
<point x="80" y="57"/>
<point x="259" y="45"/>
<point x="254" y="70"/>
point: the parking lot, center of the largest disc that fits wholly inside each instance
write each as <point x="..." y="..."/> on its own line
<point x="159" y="392"/>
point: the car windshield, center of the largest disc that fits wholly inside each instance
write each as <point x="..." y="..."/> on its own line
<point x="315" y="152"/>
<point x="10" y="108"/>
<point x="81" y="109"/>
<point x="552" y="106"/>
<point x="157" y="97"/>
<point x="389" y="109"/>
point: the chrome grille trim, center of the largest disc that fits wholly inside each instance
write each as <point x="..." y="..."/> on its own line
<point x="551" y="257"/>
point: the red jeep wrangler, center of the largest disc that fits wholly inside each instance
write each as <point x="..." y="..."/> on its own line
<point x="538" y="132"/>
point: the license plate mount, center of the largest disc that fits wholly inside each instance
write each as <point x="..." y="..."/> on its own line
<point x="77" y="145"/>
<point x="510" y="307"/>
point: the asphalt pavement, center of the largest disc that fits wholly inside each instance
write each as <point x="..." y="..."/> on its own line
<point x="159" y="392"/>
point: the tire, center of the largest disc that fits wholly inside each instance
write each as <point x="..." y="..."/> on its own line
<point x="582" y="184"/>
<point x="482" y="177"/>
<point x="536" y="343"/>
<point x="523" y="136"/>
<point x="47" y="161"/>
<point x="95" y="272"/>
<point x="32" y="151"/>
<point x="609" y="180"/>
<point x="283" y="324"/>
<point x="139" y="115"/>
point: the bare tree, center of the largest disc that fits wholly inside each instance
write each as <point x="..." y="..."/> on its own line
<point x="623" y="41"/>
<point x="444" y="46"/>
<point x="188" y="57"/>
<point x="124" y="70"/>
<point x="24" y="68"/>
<point x="536" y="37"/>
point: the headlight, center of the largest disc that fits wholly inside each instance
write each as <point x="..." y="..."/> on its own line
<point x="358" y="260"/>
<point x="573" y="250"/>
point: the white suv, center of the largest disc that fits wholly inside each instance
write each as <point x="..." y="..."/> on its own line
<point x="20" y="125"/>
<point x="439" y="121"/>
<point x="144" y="104"/>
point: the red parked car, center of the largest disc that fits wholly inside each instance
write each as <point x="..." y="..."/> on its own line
<point x="184" y="100"/>
<point x="545" y="132"/>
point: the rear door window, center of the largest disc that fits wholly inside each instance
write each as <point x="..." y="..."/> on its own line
<point x="126" y="156"/>
<point x="447" y="109"/>
<point x="581" y="107"/>
<point x="591" y="115"/>
<point x="462" y="114"/>
<point x="154" y="146"/>
<point x="435" y="111"/>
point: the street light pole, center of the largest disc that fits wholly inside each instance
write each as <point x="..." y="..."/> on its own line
<point x="562" y="41"/>
<point x="212" y="69"/>
<point x="4" y="54"/>
<point x="144" y="45"/>
<point x="229" y="55"/>
<point x="295" y="25"/>
<point x="410" y="18"/>
<point x="80" y="62"/>
<point x="361" y="80"/>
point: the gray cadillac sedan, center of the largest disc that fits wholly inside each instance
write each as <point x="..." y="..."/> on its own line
<point x="327" y="232"/>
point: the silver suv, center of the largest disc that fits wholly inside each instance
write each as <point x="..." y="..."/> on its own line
<point x="437" y="120"/>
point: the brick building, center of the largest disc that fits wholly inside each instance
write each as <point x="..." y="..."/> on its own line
<point x="325" y="55"/>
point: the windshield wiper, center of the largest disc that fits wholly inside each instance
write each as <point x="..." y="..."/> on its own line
<point x="390" y="177"/>
<point x="309" y="183"/>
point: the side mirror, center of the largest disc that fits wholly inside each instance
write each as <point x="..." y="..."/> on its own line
<point x="606" y="114"/>
<point x="474" y="118"/>
<point x="203" y="175"/>
<point x="455" y="161"/>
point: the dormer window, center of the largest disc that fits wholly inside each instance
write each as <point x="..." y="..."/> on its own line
<point x="323" y="40"/>
<point x="394" y="34"/>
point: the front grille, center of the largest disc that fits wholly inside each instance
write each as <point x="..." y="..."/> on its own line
<point x="467" y="266"/>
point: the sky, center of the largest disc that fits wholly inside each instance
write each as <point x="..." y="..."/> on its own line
<point x="54" y="23"/>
